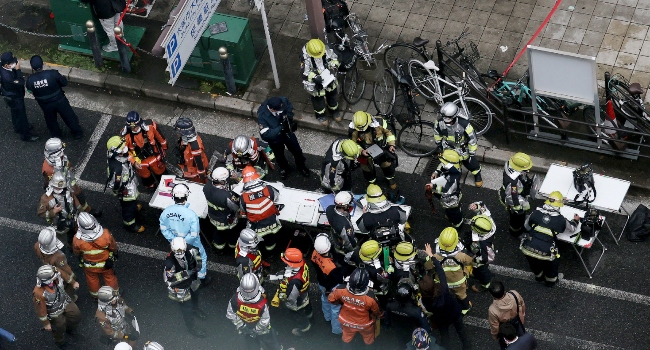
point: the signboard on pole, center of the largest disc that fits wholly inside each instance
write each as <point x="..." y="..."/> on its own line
<point x="185" y="32"/>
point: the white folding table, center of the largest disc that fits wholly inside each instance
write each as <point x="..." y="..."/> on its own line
<point x="610" y="192"/>
<point x="576" y="241"/>
<point x="162" y="198"/>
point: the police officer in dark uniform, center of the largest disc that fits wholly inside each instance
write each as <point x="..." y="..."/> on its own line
<point x="46" y="86"/>
<point x="13" y="90"/>
<point x="405" y="307"/>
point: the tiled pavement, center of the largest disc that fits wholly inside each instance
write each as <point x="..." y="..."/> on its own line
<point x="614" y="31"/>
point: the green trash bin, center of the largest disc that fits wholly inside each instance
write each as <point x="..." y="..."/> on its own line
<point x="234" y="34"/>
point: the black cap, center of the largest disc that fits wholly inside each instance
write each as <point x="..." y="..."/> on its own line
<point x="8" y="58"/>
<point x="275" y="103"/>
<point x="36" y="62"/>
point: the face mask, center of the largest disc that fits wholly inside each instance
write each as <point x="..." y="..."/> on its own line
<point x="12" y="66"/>
<point x="448" y="121"/>
<point x="57" y="190"/>
<point x="179" y="255"/>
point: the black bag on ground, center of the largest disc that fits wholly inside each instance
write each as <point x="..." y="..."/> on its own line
<point x="638" y="227"/>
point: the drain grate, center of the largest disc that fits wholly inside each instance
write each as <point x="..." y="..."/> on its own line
<point x="431" y="166"/>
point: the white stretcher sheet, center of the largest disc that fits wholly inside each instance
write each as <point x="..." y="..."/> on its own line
<point x="162" y="198"/>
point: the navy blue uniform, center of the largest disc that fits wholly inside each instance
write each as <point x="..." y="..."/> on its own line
<point x="13" y="90"/>
<point x="278" y="131"/>
<point x="46" y="86"/>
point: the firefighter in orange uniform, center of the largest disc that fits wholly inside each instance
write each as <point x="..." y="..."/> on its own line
<point x="257" y="201"/>
<point x="191" y="158"/>
<point x="294" y="288"/>
<point x="98" y="249"/>
<point x="48" y="250"/>
<point x="147" y="148"/>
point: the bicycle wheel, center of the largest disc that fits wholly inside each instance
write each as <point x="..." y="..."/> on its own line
<point x="416" y="139"/>
<point x="479" y="114"/>
<point x="404" y="51"/>
<point x="475" y="79"/>
<point x="622" y="98"/>
<point x="383" y="94"/>
<point x="424" y="80"/>
<point x="353" y="86"/>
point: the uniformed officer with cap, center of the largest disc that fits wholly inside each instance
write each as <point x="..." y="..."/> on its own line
<point x="46" y="86"/>
<point x="13" y="90"/>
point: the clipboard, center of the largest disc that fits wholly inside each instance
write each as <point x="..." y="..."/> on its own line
<point x="375" y="151"/>
<point x="328" y="77"/>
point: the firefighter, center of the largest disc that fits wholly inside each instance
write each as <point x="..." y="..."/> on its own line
<point x="152" y="345"/>
<point x="147" y="148"/>
<point x="121" y="179"/>
<point x="247" y="257"/>
<point x="330" y="269"/>
<point x="336" y="169"/>
<point x="482" y="246"/>
<point x="245" y="151"/>
<point x="515" y="192"/>
<point x="380" y="212"/>
<point x="339" y="218"/>
<point x="294" y="288"/>
<point x="449" y="252"/>
<point x="257" y="201"/>
<point x="12" y="88"/>
<point x="372" y="257"/>
<point x="447" y="190"/>
<point x="58" y="205"/>
<point x="223" y="209"/>
<point x="57" y="160"/>
<point x="191" y="153"/>
<point x="54" y="308"/>
<point x="48" y="250"/>
<point x="181" y="267"/>
<point x="248" y="310"/>
<point x="97" y="251"/>
<point x="179" y="220"/>
<point x="540" y="244"/>
<point x="115" y="318"/>
<point x="367" y="131"/>
<point x="405" y="306"/>
<point x="318" y="62"/>
<point x="452" y="132"/>
<point x="359" y="308"/>
<point x="47" y="88"/>
<point x="407" y="262"/>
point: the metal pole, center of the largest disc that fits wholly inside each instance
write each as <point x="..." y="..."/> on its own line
<point x="227" y="71"/>
<point x="268" y="42"/>
<point x="441" y="59"/>
<point x="316" y="19"/>
<point x="123" y="51"/>
<point x="94" y="44"/>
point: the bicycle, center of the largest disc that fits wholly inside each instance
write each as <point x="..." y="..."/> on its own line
<point x="628" y="103"/>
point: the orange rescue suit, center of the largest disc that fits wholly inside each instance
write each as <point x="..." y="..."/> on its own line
<point x="195" y="162"/>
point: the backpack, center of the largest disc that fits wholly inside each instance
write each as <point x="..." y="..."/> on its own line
<point x="583" y="181"/>
<point x="334" y="9"/>
<point x="638" y="227"/>
<point x="591" y="224"/>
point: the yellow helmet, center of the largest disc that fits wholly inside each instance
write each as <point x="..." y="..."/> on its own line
<point x="370" y="250"/>
<point x="404" y="251"/>
<point x="448" y="239"/>
<point x="361" y="120"/>
<point x="481" y="224"/>
<point x="555" y="199"/>
<point x="520" y="162"/>
<point x="315" y="48"/>
<point x="374" y="194"/>
<point x="449" y="156"/>
<point x="350" y="149"/>
<point x="114" y="142"/>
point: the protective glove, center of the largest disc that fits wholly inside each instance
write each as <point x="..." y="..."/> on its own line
<point x="116" y="255"/>
<point x="244" y="329"/>
<point x="318" y="79"/>
<point x="132" y="336"/>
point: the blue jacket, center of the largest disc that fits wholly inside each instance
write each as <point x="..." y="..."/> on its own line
<point x="12" y="83"/>
<point x="271" y="127"/>
<point x="179" y="220"/>
<point x="46" y="85"/>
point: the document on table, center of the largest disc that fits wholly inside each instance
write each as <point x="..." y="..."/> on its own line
<point x="306" y="212"/>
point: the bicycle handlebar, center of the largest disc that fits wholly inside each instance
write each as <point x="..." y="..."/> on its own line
<point x="455" y="41"/>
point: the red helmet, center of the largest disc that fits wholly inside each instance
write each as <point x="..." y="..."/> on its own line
<point x="249" y="174"/>
<point x="292" y="257"/>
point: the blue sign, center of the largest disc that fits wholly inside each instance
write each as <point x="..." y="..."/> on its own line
<point x="176" y="66"/>
<point x="172" y="45"/>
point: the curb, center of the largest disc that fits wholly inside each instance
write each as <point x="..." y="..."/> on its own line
<point x="247" y="109"/>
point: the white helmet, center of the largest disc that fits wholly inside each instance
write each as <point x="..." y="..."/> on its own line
<point x="343" y="198"/>
<point x="220" y="174"/>
<point x="179" y="246"/>
<point x="241" y="145"/>
<point x="180" y="192"/>
<point x="123" y="346"/>
<point x="54" y="148"/>
<point x="152" y="345"/>
<point x="107" y="294"/>
<point x="89" y="227"/>
<point x="249" y="287"/>
<point x="46" y="274"/>
<point x="58" y="182"/>
<point x="449" y="110"/>
<point x="322" y="243"/>
<point x="249" y="238"/>
<point x="47" y="241"/>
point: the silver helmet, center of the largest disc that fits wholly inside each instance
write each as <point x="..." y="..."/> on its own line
<point x="249" y="239"/>
<point x="107" y="294"/>
<point x="58" y="182"/>
<point x="46" y="274"/>
<point x="47" y="241"/>
<point x="89" y="227"/>
<point x="249" y="287"/>
<point x="449" y="110"/>
<point x="54" y="148"/>
<point x="152" y="345"/>
<point x="241" y="145"/>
